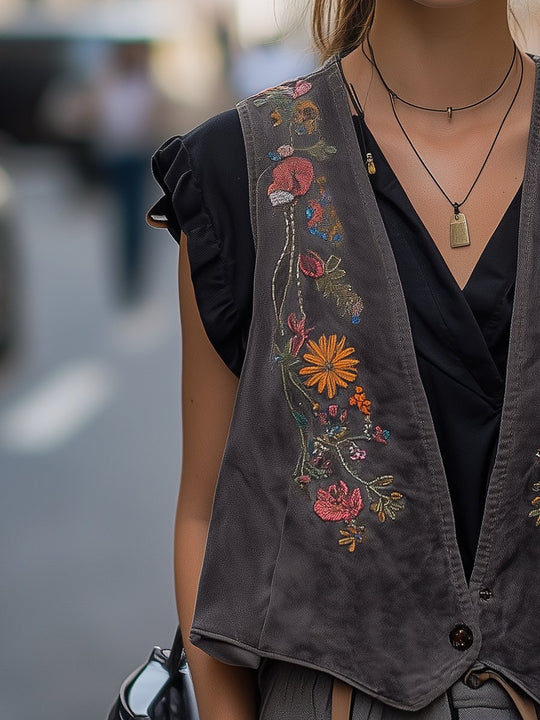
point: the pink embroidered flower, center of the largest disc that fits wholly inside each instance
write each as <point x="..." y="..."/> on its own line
<point x="303" y="480"/>
<point x="301" y="333"/>
<point x="338" y="503"/>
<point x="292" y="178"/>
<point x="380" y="435"/>
<point x="285" y="151"/>
<point x="311" y="264"/>
<point x="356" y="453"/>
<point x="333" y="410"/>
<point x="302" y="87"/>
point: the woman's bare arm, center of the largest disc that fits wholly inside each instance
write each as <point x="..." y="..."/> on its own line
<point x="208" y="392"/>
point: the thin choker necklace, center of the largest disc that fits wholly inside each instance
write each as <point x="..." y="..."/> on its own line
<point x="459" y="231"/>
<point x="449" y="110"/>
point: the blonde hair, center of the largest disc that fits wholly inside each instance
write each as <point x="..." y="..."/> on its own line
<point x="340" y="25"/>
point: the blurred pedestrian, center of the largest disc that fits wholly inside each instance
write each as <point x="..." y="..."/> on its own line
<point x="359" y="517"/>
<point x="124" y="102"/>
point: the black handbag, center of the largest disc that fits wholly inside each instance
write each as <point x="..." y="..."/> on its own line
<point x="161" y="689"/>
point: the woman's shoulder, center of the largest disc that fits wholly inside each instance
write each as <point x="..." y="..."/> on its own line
<point x="197" y="171"/>
<point x="203" y="175"/>
<point x="215" y="146"/>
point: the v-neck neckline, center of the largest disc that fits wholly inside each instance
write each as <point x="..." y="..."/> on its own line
<point x="474" y="356"/>
<point x="337" y="59"/>
<point x="433" y="245"/>
<point x="338" y="86"/>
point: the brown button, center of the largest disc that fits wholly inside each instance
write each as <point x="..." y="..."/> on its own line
<point x="461" y="637"/>
<point x="486" y="594"/>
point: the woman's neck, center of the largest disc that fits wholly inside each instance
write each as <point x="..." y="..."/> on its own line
<point x="441" y="56"/>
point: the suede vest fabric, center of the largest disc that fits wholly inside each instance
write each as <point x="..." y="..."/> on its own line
<point x="332" y="542"/>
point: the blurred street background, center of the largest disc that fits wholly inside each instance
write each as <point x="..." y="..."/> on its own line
<point x="89" y="331"/>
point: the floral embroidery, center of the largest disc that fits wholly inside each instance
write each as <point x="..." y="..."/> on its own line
<point x="359" y="399"/>
<point x="311" y="264"/>
<point x="306" y="117"/>
<point x="352" y="535"/>
<point x="331" y="364"/>
<point x="535" y="502"/>
<point x="298" y="327"/>
<point x="334" y="425"/>
<point x="292" y="178"/>
<point x="338" y="503"/>
<point x="330" y="283"/>
<point x="322" y="218"/>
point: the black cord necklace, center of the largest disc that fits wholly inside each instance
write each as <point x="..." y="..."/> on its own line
<point x="448" y="110"/>
<point x="459" y="231"/>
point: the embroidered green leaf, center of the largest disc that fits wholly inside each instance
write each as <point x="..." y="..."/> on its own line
<point x="301" y="419"/>
<point x="332" y="263"/>
<point x="320" y="150"/>
<point x="382" y="481"/>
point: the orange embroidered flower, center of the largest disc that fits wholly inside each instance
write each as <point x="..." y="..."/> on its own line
<point x="330" y="364"/>
<point x="352" y="535"/>
<point x="359" y="399"/>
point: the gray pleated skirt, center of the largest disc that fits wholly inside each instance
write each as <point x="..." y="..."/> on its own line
<point x="292" y="692"/>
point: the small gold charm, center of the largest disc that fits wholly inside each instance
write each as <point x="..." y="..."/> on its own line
<point x="370" y="164"/>
<point x="459" y="231"/>
<point x="450" y="111"/>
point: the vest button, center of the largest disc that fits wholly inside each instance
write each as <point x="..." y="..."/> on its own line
<point x="461" y="637"/>
<point x="486" y="594"/>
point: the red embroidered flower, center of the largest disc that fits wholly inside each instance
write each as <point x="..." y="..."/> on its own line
<point x="292" y="178"/>
<point x="301" y="333"/>
<point x="338" y="503"/>
<point x="311" y="265"/>
<point x="333" y="410"/>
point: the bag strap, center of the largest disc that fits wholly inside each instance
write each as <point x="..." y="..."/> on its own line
<point x="524" y="705"/>
<point x="177" y="652"/>
<point x="341" y="700"/>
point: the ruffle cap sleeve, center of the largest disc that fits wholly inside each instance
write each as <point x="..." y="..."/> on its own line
<point x="200" y="200"/>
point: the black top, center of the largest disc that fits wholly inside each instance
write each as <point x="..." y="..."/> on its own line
<point x="460" y="337"/>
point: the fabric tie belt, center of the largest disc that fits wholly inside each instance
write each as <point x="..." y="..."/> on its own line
<point x="342" y="694"/>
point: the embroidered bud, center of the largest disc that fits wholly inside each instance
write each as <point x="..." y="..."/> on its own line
<point x="311" y="264"/>
<point x="302" y="87"/>
<point x="285" y="151"/>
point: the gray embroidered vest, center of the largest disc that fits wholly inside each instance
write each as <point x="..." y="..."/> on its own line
<point x="332" y="541"/>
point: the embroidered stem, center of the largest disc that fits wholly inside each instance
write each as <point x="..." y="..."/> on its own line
<point x="274" y="277"/>
<point x="293" y="412"/>
<point x="299" y="288"/>
<point x="291" y="241"/>
<point x="300" y="387"/>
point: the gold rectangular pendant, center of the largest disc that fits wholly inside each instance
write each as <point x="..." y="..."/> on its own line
<point x="459" y="231"/>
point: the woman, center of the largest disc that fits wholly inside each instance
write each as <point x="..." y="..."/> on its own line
<point x="374" y="524"/>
